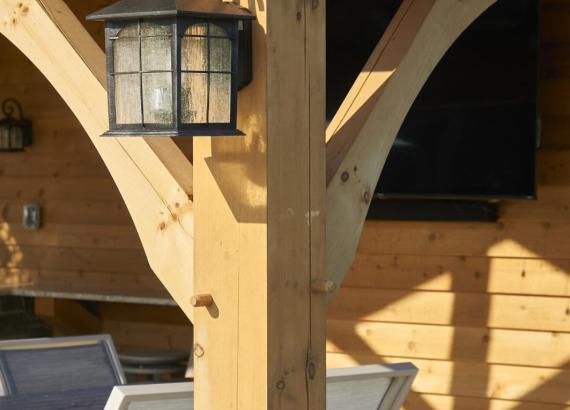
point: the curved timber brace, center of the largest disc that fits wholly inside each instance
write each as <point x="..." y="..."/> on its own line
<point x="153" y="176"/>
<point x="362" y="132"/>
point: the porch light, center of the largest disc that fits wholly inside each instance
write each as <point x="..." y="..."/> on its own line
<point x="15" y="133"/>
<point x="172" y="66"/>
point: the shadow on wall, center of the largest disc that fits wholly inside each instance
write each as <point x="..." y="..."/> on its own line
<point x="482" y="309"/>
<point x="467" y="338"/>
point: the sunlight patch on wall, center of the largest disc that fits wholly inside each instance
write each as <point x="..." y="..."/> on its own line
<point x="528" y="276"/>
<point x="510" y="247"/>
<point x="12" y="258"/>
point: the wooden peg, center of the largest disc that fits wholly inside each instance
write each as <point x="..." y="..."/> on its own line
<point x="201" y="300"/>
<point x="323" y="286"/>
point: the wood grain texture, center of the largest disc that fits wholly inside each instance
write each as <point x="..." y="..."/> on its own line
<point x="457" y="309"/>
<point x="444" y="402"/>
<point x="259" y="226"/>
<point x="404" y="59"/>
<point x="48" y="33"/>
<point x="455" y="343"/>
<point x="433" y="272"/>
<point x="526" y="384"/>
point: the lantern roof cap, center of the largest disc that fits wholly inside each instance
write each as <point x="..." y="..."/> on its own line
<point x="131" y="9"/>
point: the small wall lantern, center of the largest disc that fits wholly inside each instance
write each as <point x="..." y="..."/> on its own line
<point x="172" y="66"/>
<point x="15" y="133"/>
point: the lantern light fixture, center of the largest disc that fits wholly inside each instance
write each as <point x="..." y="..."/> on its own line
<point x="174" y="67"/>
<point x="15" y="132"/>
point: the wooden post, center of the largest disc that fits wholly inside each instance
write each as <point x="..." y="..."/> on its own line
<point x="259" y="226"/>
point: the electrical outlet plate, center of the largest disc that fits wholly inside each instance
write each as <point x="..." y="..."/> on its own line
<point x="31" y="216"/>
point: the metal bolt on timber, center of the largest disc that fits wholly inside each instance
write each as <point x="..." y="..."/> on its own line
<point x="202" y="300"/>
<point x="323" y="286"/>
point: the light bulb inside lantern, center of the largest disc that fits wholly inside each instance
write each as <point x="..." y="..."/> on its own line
<point x="161" y="103"/>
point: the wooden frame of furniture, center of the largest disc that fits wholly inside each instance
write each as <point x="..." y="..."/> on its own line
<point x="401" y="376"/>
<point x="123" y="396"/>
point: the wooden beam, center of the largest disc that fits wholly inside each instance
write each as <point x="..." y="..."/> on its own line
<point x="153" y="176"/>
<point x="259" y="206"/>
<point x="363" y="131"/>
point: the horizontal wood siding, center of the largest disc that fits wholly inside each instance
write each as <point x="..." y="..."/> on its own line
<point x="483" y="309"/>
<point x="87" y="237"/>
<point x="87" y="241"/>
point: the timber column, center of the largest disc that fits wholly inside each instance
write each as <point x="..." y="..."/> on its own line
<point x="259" y="226"/>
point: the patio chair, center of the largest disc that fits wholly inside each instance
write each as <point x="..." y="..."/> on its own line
<point x="35" y="367"/>
<point x="166" y="396"/>
<point x="376" y="387"/>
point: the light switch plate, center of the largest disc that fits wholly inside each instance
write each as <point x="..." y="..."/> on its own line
<point x="32" y="216"/>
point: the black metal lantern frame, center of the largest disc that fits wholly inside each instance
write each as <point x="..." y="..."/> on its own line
<point x="15" y="133"/>
<point x="160" y="88"/>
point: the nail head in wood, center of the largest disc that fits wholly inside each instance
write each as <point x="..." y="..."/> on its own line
<point x="323" y="286"/>
<point x="201" y="300"/>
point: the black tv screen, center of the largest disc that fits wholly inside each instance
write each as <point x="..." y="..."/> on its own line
<point x="472" y="132"/>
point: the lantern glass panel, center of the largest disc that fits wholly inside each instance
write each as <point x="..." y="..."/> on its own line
<point x="194" y="54"/>
<point x="126" y="49"/>
<point x="4" y="137"/>
<point x="152" y="29"/>
<point x="197" y="29"/>
<point x="156" y="54"/>
<point x="16" y="138"/>
<point x="142" y="54"/>
<point x="157" y="98"/>
<point x="206" y="74"/>
<point x="220" y="54"/>
<point x="194" y="98"/>
<point x="128" y="99"/>
<point x="220" y="98"/>
<point x="216" y="30"/>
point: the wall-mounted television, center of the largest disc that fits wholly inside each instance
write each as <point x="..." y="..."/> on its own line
<point x="472" y="132"/>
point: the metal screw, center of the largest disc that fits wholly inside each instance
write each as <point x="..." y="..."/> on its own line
<point x="299" y="15"/>
<point x="198" y="350"/>
<point x="323" y="286"/>
<point x="281" y="385"/>
<point x="315" y="4"/>
<point x="366" y="196"/>
<point x="344" y="177"/>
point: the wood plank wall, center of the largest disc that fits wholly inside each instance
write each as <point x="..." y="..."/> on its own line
<point x="483" y="309"/>
<point x="87" y="241"/>
<point x="87" y="238"/>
